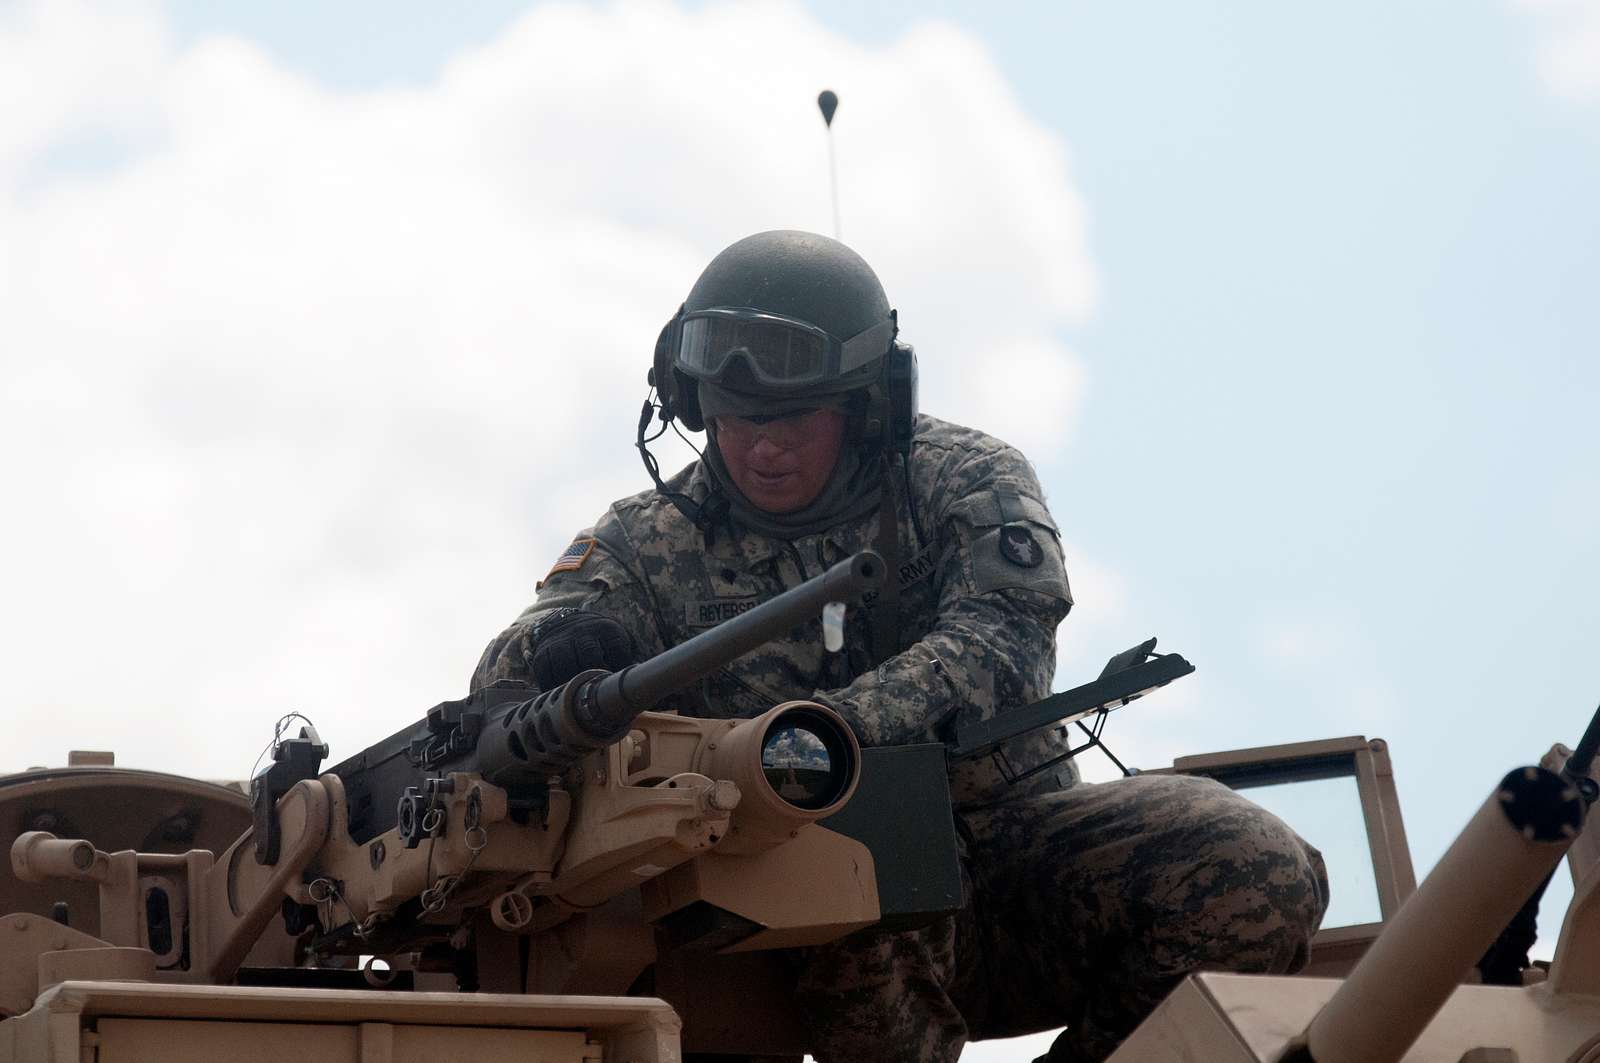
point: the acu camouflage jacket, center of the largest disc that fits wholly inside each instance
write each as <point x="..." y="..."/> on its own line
<point x="979" y="603"/>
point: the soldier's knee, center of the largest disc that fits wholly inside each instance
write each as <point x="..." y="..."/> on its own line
<point x="1248" y="893"/>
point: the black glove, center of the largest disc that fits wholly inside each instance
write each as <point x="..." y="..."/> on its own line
<point x="570" y="641"/>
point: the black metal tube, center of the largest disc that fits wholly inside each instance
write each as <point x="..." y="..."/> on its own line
<point x="621" y="696"/>
<point x="1582" y="759"/>
<point x="592" y="710"/>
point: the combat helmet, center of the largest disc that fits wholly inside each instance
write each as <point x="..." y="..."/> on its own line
<point x="788" y="314"/>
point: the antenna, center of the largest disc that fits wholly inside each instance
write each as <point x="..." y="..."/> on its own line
<point x="827" y="103"/>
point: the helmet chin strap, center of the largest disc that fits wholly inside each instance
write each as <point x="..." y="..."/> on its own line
<point x="703" y="515"/>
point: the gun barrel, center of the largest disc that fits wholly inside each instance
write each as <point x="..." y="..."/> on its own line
<point x="38" y="856"/>
<point x="1517" y="836"/>
<point x="635" y="689"/>
<point x="594" y="709"/>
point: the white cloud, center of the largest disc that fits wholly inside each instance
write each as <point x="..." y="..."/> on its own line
<point x="1024" y="388"/>
<point x="102" y="67"/>
<point x="301" y="397"/>
<point x="1568" y="46"/>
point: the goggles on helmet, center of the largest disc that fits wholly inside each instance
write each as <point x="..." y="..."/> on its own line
<point x="779" y="351"/>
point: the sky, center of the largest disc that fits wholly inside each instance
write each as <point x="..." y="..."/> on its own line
<point x="322" y="330"/>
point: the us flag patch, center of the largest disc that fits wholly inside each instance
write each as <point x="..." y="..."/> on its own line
<point x="573" y="557"/>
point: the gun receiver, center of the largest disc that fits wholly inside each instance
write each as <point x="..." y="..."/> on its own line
<point x="645" y="779"/>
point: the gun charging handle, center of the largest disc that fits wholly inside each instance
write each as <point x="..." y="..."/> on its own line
<point x="594" y="709"/>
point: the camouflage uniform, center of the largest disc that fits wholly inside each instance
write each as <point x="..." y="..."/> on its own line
<point x="1087" y="903"/>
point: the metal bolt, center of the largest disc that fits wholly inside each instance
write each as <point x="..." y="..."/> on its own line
<point x="600" y="776"/>
<point x="723" y="795"/>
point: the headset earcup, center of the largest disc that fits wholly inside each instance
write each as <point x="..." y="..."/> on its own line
<point x="883" y="415"/>
<point x="686" y="393"/>
<point x="902" y="388"/>
<point x="663" y="377"/>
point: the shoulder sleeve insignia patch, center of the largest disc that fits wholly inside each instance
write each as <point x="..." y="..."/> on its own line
<point x="572" y="558"/>
<point x="1018" y="546"/>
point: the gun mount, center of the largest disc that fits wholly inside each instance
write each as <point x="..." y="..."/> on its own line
<point x="516" y="843"/>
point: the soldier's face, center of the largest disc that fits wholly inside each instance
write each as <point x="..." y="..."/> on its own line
<point x="781" y="465"/>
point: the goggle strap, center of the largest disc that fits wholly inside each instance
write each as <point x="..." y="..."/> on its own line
<point x="866" y="346"/>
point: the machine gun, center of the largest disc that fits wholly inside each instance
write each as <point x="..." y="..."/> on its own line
<point x="545" y="844"/>
<point x="514" y="809"/>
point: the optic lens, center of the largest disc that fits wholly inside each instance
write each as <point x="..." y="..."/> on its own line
<point x="806" y="768"/>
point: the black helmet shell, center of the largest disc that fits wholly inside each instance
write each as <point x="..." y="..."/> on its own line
<point x="797" y="275"/>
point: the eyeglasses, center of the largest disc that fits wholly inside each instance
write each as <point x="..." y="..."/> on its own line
<point x="780" y="352"/>
<point x="789" y="432"/>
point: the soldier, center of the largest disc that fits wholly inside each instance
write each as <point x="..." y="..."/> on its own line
<point x="1086" y="903"/>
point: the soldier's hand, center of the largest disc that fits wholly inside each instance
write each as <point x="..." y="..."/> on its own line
<point x="572" y="641"/>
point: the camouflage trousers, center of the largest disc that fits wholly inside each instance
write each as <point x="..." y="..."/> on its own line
<point x="1086" y="906"/>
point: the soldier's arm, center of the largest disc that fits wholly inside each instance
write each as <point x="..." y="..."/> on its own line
<point x="592" y="575"/>
<point x="1003" y="592"/>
